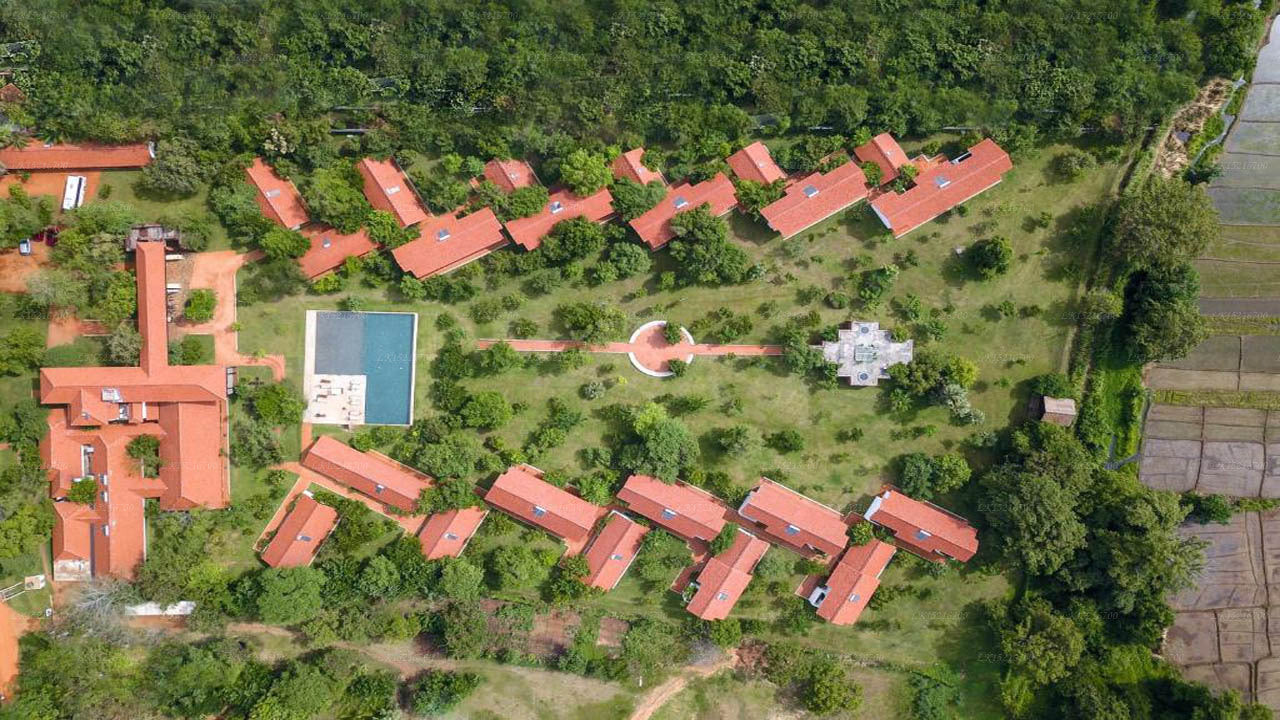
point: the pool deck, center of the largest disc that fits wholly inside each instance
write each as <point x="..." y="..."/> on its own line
<point x="322" y="407"/>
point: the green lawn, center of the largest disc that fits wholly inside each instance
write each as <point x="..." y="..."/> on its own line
<point x="123" y="187"/>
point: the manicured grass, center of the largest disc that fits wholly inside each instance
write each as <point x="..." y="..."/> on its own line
<point x="13" y="570"/>
<point x="123" y="184"/>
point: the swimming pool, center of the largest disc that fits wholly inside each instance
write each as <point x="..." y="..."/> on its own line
<point x="380" y="346"/>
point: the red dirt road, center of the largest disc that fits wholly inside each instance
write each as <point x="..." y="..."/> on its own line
<point x="217" y="271"/>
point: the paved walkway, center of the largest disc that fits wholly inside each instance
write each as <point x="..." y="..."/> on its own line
<point x="217" y="271"/>
<point x="648" y="348"/>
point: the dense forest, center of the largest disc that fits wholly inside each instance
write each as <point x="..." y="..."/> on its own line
<point x="497" y="78"/>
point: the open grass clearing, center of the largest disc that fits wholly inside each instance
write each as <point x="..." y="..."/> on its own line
<point x="123" y="186"/>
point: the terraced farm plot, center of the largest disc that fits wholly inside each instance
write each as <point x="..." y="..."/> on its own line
<point x="1254" y="137"/>
<point x="1263" y="102"/>
<point x="1254" y="243"/>
<point x="1226" y="632"/>
<point x="1245" y="206"/>
<point x="1249" y="171"/>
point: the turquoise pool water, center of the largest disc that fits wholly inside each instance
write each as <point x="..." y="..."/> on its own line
<point x="379" y="346"/>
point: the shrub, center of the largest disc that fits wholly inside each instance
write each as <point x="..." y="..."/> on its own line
<point x="786" y="441"/>
<point x="436" y="692"/>
<point x="200" y="305"/>
<point x="85" y="490"/>
<point x="990" y="257"/>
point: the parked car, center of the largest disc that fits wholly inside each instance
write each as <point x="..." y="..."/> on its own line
<point x="24" y="246"/>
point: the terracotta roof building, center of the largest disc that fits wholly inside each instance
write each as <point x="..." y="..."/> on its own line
<point x="630" y="165"/>
<point x="521" y="492"/>
<point x="923" y="528"/>
<point x="754" y="163"/>
<point x="884" y="151"/>
<point x="330" y="248"/>
<point x="725" y="576"/>
<point x="654" y="226"/>
<point x="447" y="242"/>
<point x="687" y="511"/>
<point x="11" y="93"/>
<point x="942" y="186"/>
<point x="613" y="550"/>
<point x="300" y="533"/>
<point x="278" y="198"/>
<point x="36" y="155"/>
<point x="102" y="409"/>
<point x="855" y="578"/>
<point x="563" y="205"/>
<point x="446" y="534"/>
<point x="794" y="520"/>
<point x="815" y="198"/>
<point x="509" y="175"/>
<point x="387" y="188"/>
<point x="370" y="473"/>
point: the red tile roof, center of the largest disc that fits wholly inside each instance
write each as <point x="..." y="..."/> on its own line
<point x="36" y="155"/>
<point x="816" y="198"/>
<point x="521" y="492"/>
<point x="373" y="474"/>
<point x="852" y="582"/>
<point x="754" y="163"/>
<point x="683" y="509"/>
<point x="613" y="550"/>
<point x="299" y="536"/>
<point x="726" y="576"/>
<point x="630" y="165"/>
<point x="509" y="175"/>
<point x="924" y="528"/>
<point x="654" y="227"/>
<point x="562" y="205"/>
<point x="884" y="151"/>
<point x="387" y="188"/>
<point x="447" y="242"/>
<point x="105" y="409"/>
<point x="446" y="534"/>
<point x="278" y="198"/>
<point x="330" y="248"/>
<point x="794" y="519"/>
<point x="11" y="93"/>
<point x="941" y="187"/>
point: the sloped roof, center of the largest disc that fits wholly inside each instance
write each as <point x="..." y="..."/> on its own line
<point x="884" y="151"/>
<point x="853" y="581"/>
<point x="940" y="187"/>
<point x="373" y="474"/>
<point x="613" y="550"/>
<point x="683" y="509"/>
<point x="521" y="492"/>
<point x="816" y="198"/>
<point x="277" y="197"/>
<point x="36" y="155"/>
<point x="755" y="163"/>
<point x="387" y="188"/>
<point x="190" y="455"/>
<point x="11" y="93"/>
<point x="630" y="165"/>
<point x="726" y="576"/>
<point x="923" y="527"/>
<point x="509" y="175"/>
<point x="105" y="409"/>
<point x="299" y="536"/>
<point x="330" y="248"/>
<point x="561" y="205"/>
<point x="795" y="519"/>
<point x="446" y="534"/>
<point x="654" y="226"/>
<point x="446" y="242"/>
